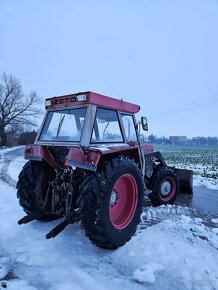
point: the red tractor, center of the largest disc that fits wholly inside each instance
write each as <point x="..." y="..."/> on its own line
<point x="88" y="165"/>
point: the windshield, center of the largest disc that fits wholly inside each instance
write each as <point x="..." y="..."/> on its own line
<point x="64" y="125"/>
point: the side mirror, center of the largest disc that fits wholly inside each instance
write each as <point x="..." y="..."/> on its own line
<point x="144" y="123"/>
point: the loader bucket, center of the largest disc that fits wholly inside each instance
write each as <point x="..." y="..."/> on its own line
<point x="185" y="177"/>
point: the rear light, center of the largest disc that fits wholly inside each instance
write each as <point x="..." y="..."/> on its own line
<point x="28" y="150"/>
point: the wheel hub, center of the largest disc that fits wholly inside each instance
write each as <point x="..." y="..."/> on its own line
<point x="165" y="188"/>
<point x="113" y="198"/>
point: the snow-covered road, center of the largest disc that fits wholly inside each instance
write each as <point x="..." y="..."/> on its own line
<point x="173" y="249"/>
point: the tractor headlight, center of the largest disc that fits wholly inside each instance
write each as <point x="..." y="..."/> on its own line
<point x="48" y="103"/>
<point x="81" y="98"/>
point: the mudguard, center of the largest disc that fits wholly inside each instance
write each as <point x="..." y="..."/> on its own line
<point x="38" y="153"/>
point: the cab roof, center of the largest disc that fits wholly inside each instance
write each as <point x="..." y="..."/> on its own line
<point x="90" y="98"/>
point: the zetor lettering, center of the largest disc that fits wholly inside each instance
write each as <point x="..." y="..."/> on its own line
<point x="63" y="101"/>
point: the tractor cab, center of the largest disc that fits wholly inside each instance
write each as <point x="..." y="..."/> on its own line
<point x="82" y="129"/>
<point x="88" y="119"/>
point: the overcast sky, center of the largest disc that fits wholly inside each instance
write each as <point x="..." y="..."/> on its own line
<point x="161" y="54"/>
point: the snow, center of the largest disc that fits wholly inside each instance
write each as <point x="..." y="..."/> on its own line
<point x="175" y="251"/>
<point x="146" y="273"/>
<point x="15" y="167"/>
<point x="209" y="183"/>
<point x="103" y="147"/>
<point x="215" y="221"/>
<point x="9" y="149"/>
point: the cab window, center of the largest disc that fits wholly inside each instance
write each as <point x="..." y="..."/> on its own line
<point x="106" y="127"/>
<point x="129" y="127"/>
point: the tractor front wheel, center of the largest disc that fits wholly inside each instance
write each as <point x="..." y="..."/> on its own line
<point x="111" y="202"/>
<point x="165" y="187"/>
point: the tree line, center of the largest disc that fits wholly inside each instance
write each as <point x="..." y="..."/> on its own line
<point x="195" y="141"/>
<point x="22" y="138"/>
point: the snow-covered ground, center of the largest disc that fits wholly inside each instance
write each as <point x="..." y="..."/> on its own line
<point x="176" y="250"/>
<point x="15" y="167"/>
<point x="207" y="182"/>
<point x="9" y="149"/>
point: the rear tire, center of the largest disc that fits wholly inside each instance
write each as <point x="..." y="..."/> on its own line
<point x="165" y="187"/>
<point x="110" y="203"/>
<point x="32" y="187"/>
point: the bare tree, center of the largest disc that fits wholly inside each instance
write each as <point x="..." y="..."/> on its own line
<point x="16" y="108"/>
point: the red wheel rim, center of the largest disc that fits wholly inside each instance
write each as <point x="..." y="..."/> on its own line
<point x="123" y="201"/>
<point x="167" y="188"/>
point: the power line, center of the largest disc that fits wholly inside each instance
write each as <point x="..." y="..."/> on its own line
<point x="183" y="107"/>
<point x="187" y="107"/>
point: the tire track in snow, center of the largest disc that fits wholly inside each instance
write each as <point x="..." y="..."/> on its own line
<point x="4" y="176"/>
<point x="6" y="158"/>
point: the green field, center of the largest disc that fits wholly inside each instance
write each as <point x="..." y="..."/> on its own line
<point x="202" y="160"/>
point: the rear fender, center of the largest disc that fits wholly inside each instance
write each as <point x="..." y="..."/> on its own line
<point x="39" y="153"/>
<point x="90" y="158"/>
<point x="83" y="158"/>
<point x="132" y="152"/>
